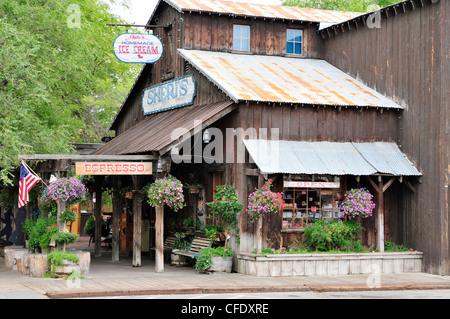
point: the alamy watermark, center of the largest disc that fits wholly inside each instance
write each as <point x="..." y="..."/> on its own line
<point x="374" y="279"/>
<point x="223" y="146"/>
<point x="74" y="18"/>
<point x="374" y="19"/>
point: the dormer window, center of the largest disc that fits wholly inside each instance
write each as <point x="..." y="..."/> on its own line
<point x="294" y="41"/>
<point x="241" y="37"/>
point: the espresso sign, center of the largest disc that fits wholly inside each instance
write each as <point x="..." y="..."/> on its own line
<point x="115" y="168"/>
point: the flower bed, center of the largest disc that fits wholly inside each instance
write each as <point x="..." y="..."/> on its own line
<point x="311" y="264"/>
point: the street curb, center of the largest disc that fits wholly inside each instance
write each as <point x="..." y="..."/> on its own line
<point x="218" y="290"/>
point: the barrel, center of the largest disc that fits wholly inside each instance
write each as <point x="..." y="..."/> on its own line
<point x="221" y="264"/>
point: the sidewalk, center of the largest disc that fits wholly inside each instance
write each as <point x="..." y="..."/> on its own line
<point x="107" y="278"/>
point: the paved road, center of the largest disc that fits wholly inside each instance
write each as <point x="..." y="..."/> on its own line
<point x="394" y="294"/>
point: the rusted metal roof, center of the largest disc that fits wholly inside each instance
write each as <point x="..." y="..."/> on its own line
<point x="158" y="131"/>
<point x="261" y="11"/>
<point x="333" y="158"/>
<point x="284" y="80"/>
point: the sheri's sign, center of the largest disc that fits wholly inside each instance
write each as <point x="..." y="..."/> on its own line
<point x="169" y="95"/>
<point x="311" y="184"/>
<point x="115" y="168"/>
<point x="138" y="48"/>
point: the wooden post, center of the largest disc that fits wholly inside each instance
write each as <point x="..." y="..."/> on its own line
<point x="380" y="215"/>
<point x="98" y="216"/>
<point x="137" y="224"/>
<point x="159" y="239"/>
<point x="259" y="224"/>
<point x="116" y="220"/>
<point x="61" y="207"/>
<point x="380" y="189"/>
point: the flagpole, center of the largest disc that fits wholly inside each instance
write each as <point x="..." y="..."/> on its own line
<point x="34" y="173"/>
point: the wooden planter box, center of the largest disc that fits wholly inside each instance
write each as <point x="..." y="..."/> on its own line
<point x="328" y="264"/>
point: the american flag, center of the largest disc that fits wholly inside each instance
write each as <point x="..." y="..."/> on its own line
<point x="26" y="183"/>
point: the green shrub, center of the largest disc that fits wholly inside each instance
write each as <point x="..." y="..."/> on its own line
<point x="89" y="228"/>
<point x="57" y="257"/>
<point x="68" y="216"/>
<point x="41" y="234"/>
<point x="326" y="236"/>
<point x="27" y="227"/>
<point x="65" y="238"/>
<point x="390" y="246"/>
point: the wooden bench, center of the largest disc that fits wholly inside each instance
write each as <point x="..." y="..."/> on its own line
<point x="197" y="244"/>
<point x="168" y="243"/>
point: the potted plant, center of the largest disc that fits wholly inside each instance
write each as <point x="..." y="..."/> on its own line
<point x="217" y="259"/>
<point x="41" y="233"/>
<point x="167" y="190"/>
<point x="193" y="186"/>
<point x="357" y="204"/>
<point x="62" y="263"/>
<point x="180" y="244"/>
<point x="225" y="207"/>
<point x="69" y="190"/>
<point x="264" y="201"/>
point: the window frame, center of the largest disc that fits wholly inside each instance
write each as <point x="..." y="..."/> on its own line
<point x="241" y="38"/>
<point x="302" y="53"/>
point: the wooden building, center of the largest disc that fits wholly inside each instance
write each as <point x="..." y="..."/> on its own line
<point x="315" y="100"/>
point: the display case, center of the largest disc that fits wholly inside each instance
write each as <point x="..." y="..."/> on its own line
<point x="305" y="205"/>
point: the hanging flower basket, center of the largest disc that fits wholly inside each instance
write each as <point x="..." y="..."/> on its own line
<point x="358" y="204"/>
<point x="166" y="191"/>
<point x="70" y="190"/>
<point x="264" y="201"/>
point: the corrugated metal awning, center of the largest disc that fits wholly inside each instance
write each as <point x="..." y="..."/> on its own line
<point x="283" y="80"/>
<point x="243" y="9"/>
<point x="332" y="158"/>
<point x="157" y="132"/>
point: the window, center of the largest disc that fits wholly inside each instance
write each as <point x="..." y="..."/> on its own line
<point x="303" y="205"/>
<point x="241" y="37"/>
<point x="294" y="41"/>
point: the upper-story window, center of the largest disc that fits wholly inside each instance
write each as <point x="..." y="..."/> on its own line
<point x="294" y="41"/>
<point x="241" y="37"/>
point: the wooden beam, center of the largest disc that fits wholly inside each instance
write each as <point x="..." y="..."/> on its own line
<point x="252" y="171"/>
<point x="46" y="157"/>
<point x="389" y="183"/>
<point x="409" y="185"/>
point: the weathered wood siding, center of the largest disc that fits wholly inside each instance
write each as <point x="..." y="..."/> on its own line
<point x="308" y="124"/>
<point x="268" y="37"/>
<point x="407" y="59"/>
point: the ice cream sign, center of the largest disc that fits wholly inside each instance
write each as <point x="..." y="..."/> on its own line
<point x="138" y="48"/>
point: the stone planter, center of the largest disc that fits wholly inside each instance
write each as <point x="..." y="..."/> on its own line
<point x="221" y="264"/>
<point x="36" y="265"/>
<point x="328" y="264"/>
<point x="12" y="255"/>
